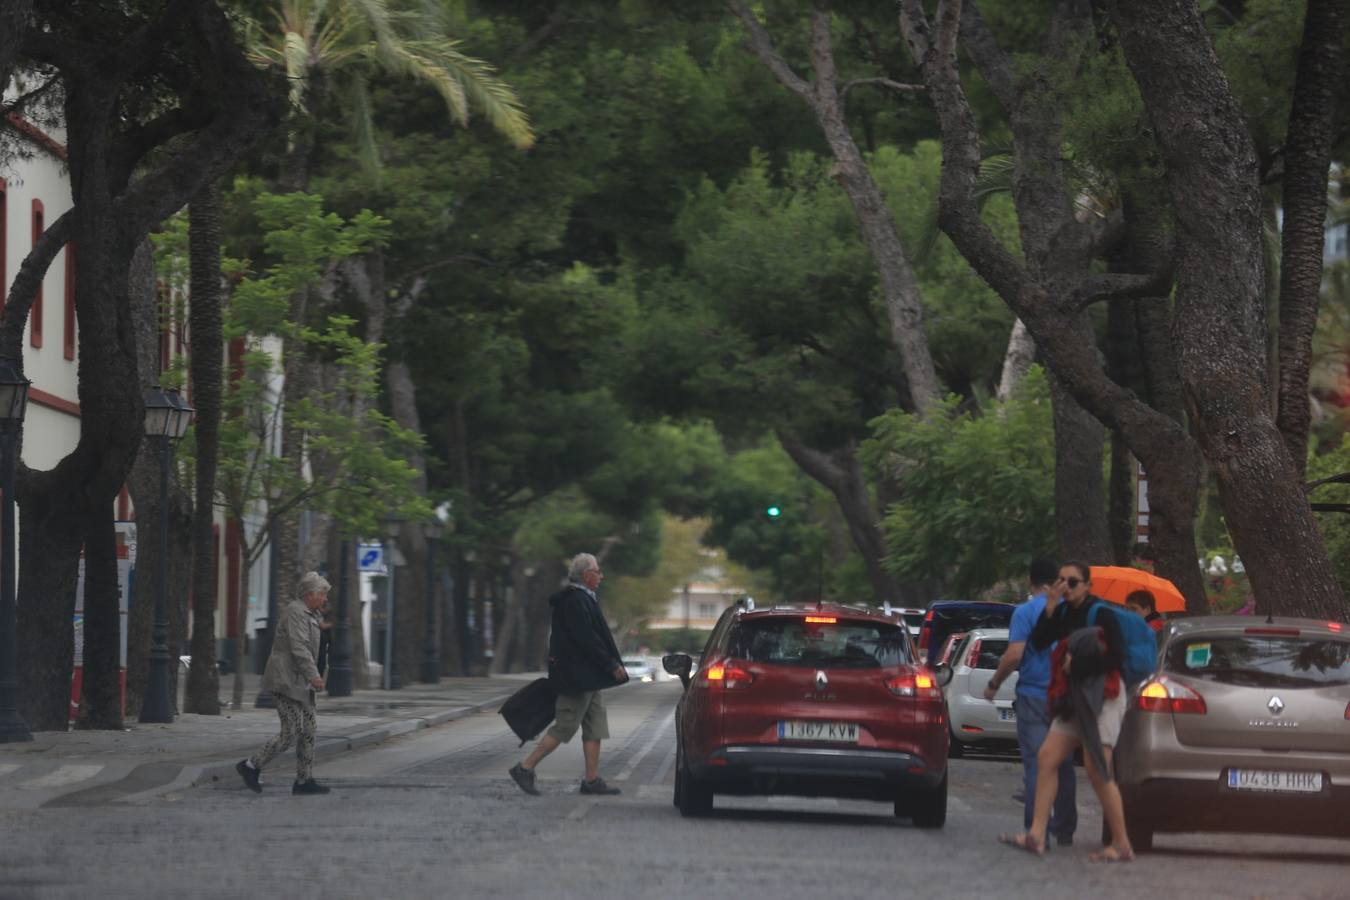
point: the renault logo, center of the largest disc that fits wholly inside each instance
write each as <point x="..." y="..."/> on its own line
<point x="821" y="680"/>
<point x="1276" y="705"/>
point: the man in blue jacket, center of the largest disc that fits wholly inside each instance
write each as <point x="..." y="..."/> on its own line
<point x="583" y="660"/>
<point x="1033" y="713"/>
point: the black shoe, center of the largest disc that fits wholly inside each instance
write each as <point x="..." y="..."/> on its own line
<point x="309" y="787"/>
<point x="525" y="779"/>
<point x="252" y="777"/>
<point x="598" y="786"/>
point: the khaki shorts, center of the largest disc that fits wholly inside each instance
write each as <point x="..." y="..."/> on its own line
<point x="585" y="711"/>
<point x="1108" y="720"/>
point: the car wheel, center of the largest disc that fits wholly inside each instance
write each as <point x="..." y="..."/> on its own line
<point x="1141" y="834"/>
<point x="928" y="807"/>
<point x="693" y="796"/>
<point x="955" y="749"/>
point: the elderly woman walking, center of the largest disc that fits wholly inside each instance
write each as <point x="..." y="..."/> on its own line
<point x="292" y="677"/>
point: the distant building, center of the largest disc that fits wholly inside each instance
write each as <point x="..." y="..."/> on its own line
<point x="697" y="604"/>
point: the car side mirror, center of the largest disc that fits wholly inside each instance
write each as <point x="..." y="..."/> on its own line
<point x="678" y="664"/>
<point x="943" y="673"/>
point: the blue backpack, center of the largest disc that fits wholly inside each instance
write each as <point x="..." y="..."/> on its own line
<point x="1141" y="643"/>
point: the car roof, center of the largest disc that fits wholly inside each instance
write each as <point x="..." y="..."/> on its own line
<point x="979" y="604"/>
<point x="825" y="609"/>
<point x="1239" y="625"/>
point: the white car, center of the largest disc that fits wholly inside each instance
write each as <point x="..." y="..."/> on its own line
<point x="639" y="670"/>
<point x="975" y="720"/>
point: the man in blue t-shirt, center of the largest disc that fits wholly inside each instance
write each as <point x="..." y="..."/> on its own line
<point x="1033" y="712"/>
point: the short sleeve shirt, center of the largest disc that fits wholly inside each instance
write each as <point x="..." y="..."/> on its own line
<point x="1033" y="675"/>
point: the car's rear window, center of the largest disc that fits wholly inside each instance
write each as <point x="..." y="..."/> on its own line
<point x="843" y="644"/>
<point x="968" y="618"/>
<point x="990" y="653"/>
<point x="1262" y="660"/>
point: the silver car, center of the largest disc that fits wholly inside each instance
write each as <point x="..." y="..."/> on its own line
<point x="964" y="676"/>
<point x="1244" y="727"/>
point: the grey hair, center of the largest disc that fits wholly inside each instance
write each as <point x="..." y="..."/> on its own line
<point x="313" y="583"/>
<point x="581" y="564"/>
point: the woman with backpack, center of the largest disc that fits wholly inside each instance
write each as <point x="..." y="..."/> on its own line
<point x="1088" y="698"/>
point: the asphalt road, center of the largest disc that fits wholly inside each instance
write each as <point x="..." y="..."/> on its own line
<point x="433" y="814"/>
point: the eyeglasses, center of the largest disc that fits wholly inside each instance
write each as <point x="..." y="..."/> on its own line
<point x="1072" y="582"/>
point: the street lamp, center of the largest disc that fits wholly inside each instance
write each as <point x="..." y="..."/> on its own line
<point x="13" y="402"/>
<point x="432" y="531"/>
<point x="166" y="419"/>
<point x="392" y="526"/>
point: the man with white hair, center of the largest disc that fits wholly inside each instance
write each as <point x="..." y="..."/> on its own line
<point x="292" y="677"/>
<point x="582" y="661"/>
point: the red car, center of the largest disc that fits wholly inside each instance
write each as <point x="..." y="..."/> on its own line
<point x="826" y="700"/>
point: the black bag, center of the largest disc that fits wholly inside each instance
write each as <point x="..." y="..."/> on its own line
<point x="530" y="710"/>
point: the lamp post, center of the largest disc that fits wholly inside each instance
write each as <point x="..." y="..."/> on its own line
<point x="431" y="664"/>
<point x="391" y="679"/>
<point x="166" y="419"/>
<point x="13" y="402"/>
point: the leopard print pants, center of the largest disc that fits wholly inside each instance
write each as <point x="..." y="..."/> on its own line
<point x="297" y="726"/>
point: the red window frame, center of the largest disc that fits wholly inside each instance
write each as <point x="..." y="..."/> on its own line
<point x="35" y="314"/>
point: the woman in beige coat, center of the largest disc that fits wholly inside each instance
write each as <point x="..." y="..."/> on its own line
<point x="292" y="677"/>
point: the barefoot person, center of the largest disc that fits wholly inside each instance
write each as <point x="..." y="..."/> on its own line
<point x="582" y="661"/>
<point x="1088" y="699"/>
<point x="292" y="676"/>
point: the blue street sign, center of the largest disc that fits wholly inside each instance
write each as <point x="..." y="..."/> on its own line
<point x="370" y="557"/>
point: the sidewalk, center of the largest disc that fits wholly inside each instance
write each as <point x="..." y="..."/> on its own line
<point x="87" y="767"/>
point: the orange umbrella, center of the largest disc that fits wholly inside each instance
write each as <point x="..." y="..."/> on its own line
<point x="1114" y="583"/>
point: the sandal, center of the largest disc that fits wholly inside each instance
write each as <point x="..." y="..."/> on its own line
<point x="1025" y="841"/>
<point x="1111" y="855"/>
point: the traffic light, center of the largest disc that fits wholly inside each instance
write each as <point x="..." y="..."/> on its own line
<point x="773" y="512"/>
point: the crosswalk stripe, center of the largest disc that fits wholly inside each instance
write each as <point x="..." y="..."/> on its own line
<point x="638" y="757"/>
<point x="61" y="777"/>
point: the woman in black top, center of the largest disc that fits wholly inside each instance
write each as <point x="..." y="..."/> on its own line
<point x="1066" y="611"/>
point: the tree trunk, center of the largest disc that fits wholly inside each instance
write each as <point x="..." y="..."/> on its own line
<point x="1080" y="495"/>
<point x="208" y="341"/>
<point x="1321" y="74"/>
<point x="841" y="473"/>
<point x="245" y="575"/>
<point x="1213" y="177"/>
<point x="899" y="285"/>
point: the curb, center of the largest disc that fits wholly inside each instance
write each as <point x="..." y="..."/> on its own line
<point x="207" y="773"/>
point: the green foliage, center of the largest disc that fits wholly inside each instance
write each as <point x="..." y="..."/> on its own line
<point x="358" y="468"/>
<point x="978" y="491"/>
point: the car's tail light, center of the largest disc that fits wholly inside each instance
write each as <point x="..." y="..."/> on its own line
<point x="973" y="655"/>
<point x="821" y="620"/>
<point x="1162" y="694"/>
<point x="1334" y="626"/>
<point x="727" y="676"/>
<point x="926" y="630"/>
<point x="1347" y="710"/>
<point x="920" y="684"/>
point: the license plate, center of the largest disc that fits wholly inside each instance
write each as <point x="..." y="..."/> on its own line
<point x="1267" y="780"/>
<point x="1007" y="715"/>
<point x="838" y="732"/>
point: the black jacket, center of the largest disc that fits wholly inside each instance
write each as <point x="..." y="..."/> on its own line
<point x="582" y="655"/>
<point x="1067" y="619"/>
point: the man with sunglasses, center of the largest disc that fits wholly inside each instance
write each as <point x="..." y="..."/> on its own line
<point x="1066" y="615"/>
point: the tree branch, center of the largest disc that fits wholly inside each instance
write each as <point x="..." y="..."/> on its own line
<point x="882" y="82"/>
<point x="818" y="465"/>
<point x="1341" y="478"/>
<point x="1117" y="286"/>
<point x="761" y="45"/>
<point x="24" y="289"/>
<point x="988" y="56"/>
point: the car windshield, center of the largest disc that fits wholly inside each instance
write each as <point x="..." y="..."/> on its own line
<point x="1262" y="660"/>
<point x="797" y="642"/>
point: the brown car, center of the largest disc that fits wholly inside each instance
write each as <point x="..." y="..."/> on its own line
<point x="1245" y="726"/>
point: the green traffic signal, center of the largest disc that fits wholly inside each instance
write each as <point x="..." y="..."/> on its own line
<point x="773" y="512"/>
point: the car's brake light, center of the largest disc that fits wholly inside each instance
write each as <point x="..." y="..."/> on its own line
<point x="919" y="684"/>
<point x="727" y="677"/>
<point x="821" y="620"/>
<point x="1334" y="626"/>
<point x="1162" y="694"/>
<point x="1277" y="632"/>
<point x="973" y="655"/>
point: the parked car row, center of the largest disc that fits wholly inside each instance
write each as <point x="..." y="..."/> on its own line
<point x="1244" y="725"/>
